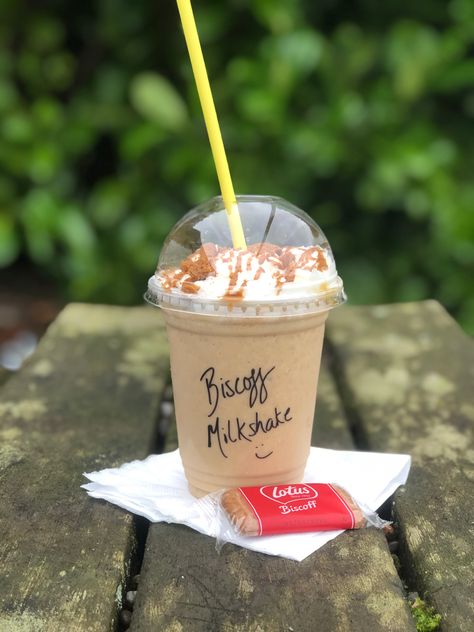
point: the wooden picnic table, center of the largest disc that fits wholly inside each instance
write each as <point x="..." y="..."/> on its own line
<point x="95" y="394"/>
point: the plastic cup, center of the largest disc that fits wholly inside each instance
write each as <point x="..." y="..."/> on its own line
<point x="245" y="356"/>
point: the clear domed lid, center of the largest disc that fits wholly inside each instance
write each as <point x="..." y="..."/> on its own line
<point x="288" y="259"/>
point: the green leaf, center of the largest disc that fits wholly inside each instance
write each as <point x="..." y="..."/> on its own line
<point x="45" y="160"/>
<point x="48" y="113"/>
<point x="108" y="203"/>
<point x="414" y="52"/>
<point x="17" y="127"/>
<point x="39" y="216"/>
<point x="138" y="140"/>
<point x="301" y="49"/>
<point x="277" y="15"/>
<point x="260" y="105"/>
<point x="59" y="70"/>
<point x="40" y="210"/>
<point x="8" y="94"/>
<point x="9" y="242"/>
<point x="156" y="99"/>
<point x="74" y="229"/>
<point x="426" y="619"/>
<point x="456" y="77"/>
<point x="45" y="34"/>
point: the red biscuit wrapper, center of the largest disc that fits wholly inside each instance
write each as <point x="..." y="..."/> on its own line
<point x="297" y="508"/>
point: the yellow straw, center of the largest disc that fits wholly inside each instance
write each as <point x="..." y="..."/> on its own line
<point x="212" y="124"/>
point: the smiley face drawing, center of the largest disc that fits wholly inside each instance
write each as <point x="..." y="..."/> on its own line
<point x="260" y="448"/>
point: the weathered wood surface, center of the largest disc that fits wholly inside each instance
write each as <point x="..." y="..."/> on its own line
<point x="330" y="427"/>
<point x="407" y="375"/>
<point x="435" y="514"/>
<point x="350" y="584"/>
<point x="4" y="375"/>
<point x="88" y="399"/>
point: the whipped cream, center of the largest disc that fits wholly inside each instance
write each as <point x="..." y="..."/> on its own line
<point x="262" y="272"/>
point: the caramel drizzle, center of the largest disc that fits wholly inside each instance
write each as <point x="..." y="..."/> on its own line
<point x="202" y="264"/>
<point x="232" y="291"/>
<point x="313" y="258"/>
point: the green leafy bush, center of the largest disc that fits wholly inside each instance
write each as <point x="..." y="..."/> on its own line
<point x="360" y="113"/>
<point x="426" y="619"/>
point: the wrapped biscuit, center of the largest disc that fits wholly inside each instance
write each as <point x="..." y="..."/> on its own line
<point x="302" y="507"/>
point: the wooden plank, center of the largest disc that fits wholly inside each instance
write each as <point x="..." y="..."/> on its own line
<point x="5" y="374"/>
<point x="350" y="584"/>
<point x="87" y="399"/>
<point x="407" y="372"/>
<point x="436" y="517"/>
<point x="330" y="428"/>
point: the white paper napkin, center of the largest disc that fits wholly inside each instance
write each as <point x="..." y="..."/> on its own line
<point x="156" y="488"/>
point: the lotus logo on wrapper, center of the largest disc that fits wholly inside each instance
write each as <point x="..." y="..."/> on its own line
<point x="285" y="494"/>
<point x="298" y="507"/>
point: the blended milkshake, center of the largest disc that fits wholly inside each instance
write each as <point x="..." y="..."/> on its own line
<point x="246" y="330"/>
